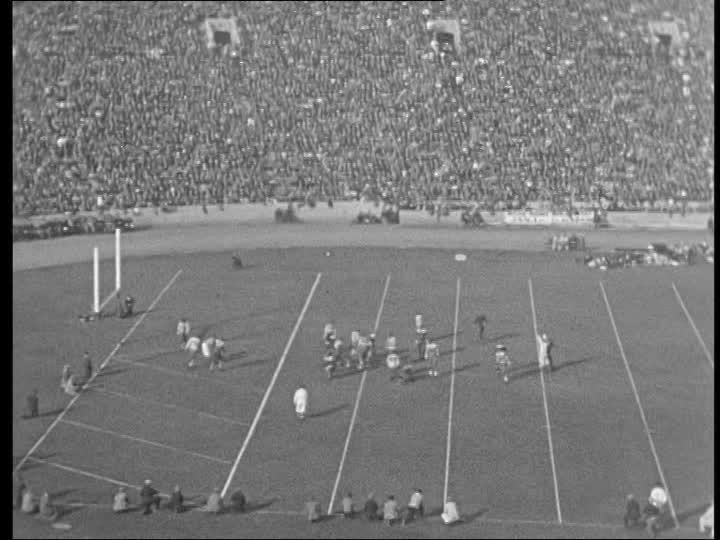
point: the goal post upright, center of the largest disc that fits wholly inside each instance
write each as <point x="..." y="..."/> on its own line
<point x="96" y="280"/>
<point x="117" y="260"/>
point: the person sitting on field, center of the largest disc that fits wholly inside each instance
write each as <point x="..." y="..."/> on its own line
<point x="633" y="516"/>
<point x="120" y="501"/>
<point x="237" y="262"/>
<point x="126" y="306"/>
<point x="655" y="510"/>
<point x="390" y="510"/>
<point x="371" y="508"/>
<point x="177" y="501"/>
<point x="238" y="502"/>
<point x="149" y="497"/>
<point x="214" y="503"/>
<point x="415" y="507"/>
<point x="29" y="505"/>
<point x="47" y="509"/>
<point x="707" y="521"/>
<point x="312" y="509"/>
<point x="451" y="514"/>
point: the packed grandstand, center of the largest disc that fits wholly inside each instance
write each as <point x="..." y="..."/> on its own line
<point x="606" y="102"/>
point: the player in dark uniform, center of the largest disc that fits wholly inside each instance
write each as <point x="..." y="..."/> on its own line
<point x="421" y="341"/>
<point x="480" y="321"/>
<point x="126" y="307"/>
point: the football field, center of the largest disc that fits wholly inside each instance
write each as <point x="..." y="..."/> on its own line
<point x="630" y="400"/>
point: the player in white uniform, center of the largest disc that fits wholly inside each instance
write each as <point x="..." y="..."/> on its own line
<point x="364" y="352"/>
<point x="432" y="355"/>
<point x="192" y="345"/>
<point x="300" y="400"/>
<point x="502" y="362"/>
<point x="543" y="348"/>
<point x="207" y="347"/>
<point x="217" y="354"/>
<point x="354" y="344"/>
<point x="329" y="334"/>
<point x="183" y="331"/>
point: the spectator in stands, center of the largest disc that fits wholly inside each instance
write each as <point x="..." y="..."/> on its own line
<point x="124" y="105"/>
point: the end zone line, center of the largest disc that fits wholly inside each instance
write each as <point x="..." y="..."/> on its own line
<point x="89" y="427"/>
<point x="452" y="393"/>
<point x="357" y="404"/>
<point x="692" y="324"/>
<point x="255" y="421"/>
<point x="640" y="407"/>
<point x="131" y="397"/>
<point x="94" y="375"/>
<point x="547" y="411"/>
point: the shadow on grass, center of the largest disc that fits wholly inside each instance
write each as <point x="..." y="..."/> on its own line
<point x="111" y="371"/>
<point x="232" y="366"/>
<point x="259" y="505"/>
<point x="523" y="371"/>
<point x="571" y="363"/>
<point x="500" y="337"/>
<point x="61" y="493"/>
<point x="449" y="352"/>
<point x="64" y="511"/>
<point x="45" y="414"/>
<point x="328" y="412"/>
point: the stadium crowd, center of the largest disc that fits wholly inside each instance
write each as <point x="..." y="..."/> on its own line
<point x="121" y="104"/>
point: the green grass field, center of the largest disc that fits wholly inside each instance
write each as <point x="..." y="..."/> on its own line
<point x="148" y="416"/>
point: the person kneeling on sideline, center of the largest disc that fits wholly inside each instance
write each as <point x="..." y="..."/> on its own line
<point x="312" y="508"/>
<point x="707" y="521"/>
<point x="451" y="514"/>
<point x="121" y="502"/>
<point x="177" y="501"/>
<point x="633" y="516"/>
<point x="214" y="503"/>
<point x="390" y="510"/>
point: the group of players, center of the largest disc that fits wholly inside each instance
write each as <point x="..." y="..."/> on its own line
<point x="362" y="353"/>
<point x="212" y="348"/>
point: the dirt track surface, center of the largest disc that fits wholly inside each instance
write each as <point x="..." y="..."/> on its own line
<point x="164" y="239"/>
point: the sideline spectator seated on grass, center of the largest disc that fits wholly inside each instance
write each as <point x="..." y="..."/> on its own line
<point x="47" y="509"/>
<point x="177" y="501"/>
<point x="633" y="516"/>
<point x="371" y="508"/>
<point x="149" y="497"/>
<point x="451" y="514"/>
<point x="214" y="503"/>
<point x="238" y="502"/>
<point x="121" y="501"/>
<point x="29" y="502"/>
<point x="312" y="509"/>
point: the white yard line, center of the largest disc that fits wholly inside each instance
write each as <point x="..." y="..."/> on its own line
<point x="692" y="324"/>
<point x="452" y="393"/>
<point x="131" y="397"/>
<point x="255" y="421"/>
<point x="105" y="362"/>
<point x="547" y="411"/>
<point x="357" y="404"/>
<point x="640" y="407"/>
<point x="88" y="427"/>
<point x="85" y="473"/>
